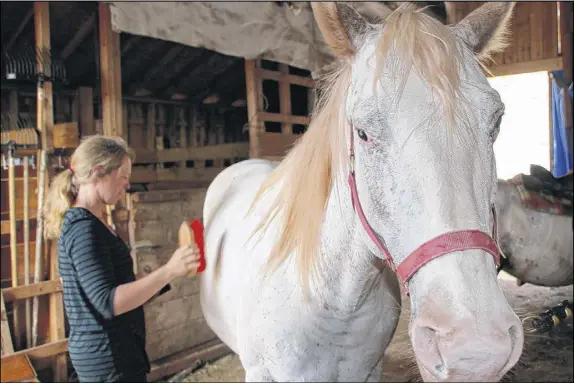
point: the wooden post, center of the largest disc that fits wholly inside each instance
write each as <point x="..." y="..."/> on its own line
<point x="45" y="105"/>
<point x="46" y="125"/>
<point x="255" y="126"/>
<point x="285" y="99"/>
<point x="110" y="66"/>
<point x="85" y="102"/>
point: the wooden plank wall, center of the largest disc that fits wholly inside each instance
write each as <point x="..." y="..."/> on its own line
<point x="533" y="43"/>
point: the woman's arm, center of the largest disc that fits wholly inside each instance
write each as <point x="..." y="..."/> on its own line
<point x="134" y="294"/>
<point x="96" y="273"/>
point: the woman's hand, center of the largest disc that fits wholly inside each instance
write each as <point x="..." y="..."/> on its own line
<point x="185" y="260"/>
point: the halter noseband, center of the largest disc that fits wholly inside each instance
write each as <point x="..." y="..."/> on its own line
<point x="436" y="247"/>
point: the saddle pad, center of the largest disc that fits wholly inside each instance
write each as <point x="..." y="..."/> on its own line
<point x="547" y="200"/>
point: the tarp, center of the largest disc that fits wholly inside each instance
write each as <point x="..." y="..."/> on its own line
<point x="288" y="35"/>
<point x="243" y="29"/>
<point x="562" y="162"/>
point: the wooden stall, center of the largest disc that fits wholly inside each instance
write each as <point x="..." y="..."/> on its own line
<point x="188" y="113"/>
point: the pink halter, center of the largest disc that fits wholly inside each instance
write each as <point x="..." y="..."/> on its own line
<point x="434" y="248"/>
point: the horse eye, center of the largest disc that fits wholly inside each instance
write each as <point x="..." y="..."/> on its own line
<point x="362" y="135"/>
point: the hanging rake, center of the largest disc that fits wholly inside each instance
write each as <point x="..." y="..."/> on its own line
<point x="23" y="65"/>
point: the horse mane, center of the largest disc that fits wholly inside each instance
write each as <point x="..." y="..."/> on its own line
<point x="305" y="177"/>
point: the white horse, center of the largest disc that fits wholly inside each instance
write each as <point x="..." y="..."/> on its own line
<point x="399" y="153"/>
<point x="538" y="245"/>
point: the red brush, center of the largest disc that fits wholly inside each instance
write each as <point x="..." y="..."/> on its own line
<point x="192" y="232"/>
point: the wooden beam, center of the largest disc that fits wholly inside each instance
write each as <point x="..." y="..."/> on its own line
<point x="45" y="108"/>
<point x="174" y="174"/>
<point x="40" y="356"/>
<point x="230" y="78"/>
<point x="79" y="37"/>
<point x="265" y="74"/>
<point x="110" y="67"/>
<point x="285" y="99"/>
<point x="252" y="84"/>
<point x="209" y="152"/>
<point x="285" y="119"/>
<point x="526" y="67"/>
<point x="173" y="52"/>
<point x="19" y="30"/>
<point x="85" y="103"/>
<point x="33" y="290"/>
<point x="132" y="41"/>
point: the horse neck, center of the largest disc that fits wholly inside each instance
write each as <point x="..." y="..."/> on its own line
<point x="346" y="263"/>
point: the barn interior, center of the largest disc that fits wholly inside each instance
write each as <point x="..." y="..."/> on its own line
<point x="190" y="104"/>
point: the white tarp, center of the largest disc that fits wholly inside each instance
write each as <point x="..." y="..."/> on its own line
<point x="244" y="29"/>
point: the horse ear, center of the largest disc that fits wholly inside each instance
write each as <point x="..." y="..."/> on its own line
<point x="485" y="28"/>
<point x="341" y="26"/>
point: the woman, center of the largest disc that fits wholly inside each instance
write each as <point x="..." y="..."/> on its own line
<point x="102" y="299"/>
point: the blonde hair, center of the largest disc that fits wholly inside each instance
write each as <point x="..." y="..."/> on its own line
<point x="107" y="152"/>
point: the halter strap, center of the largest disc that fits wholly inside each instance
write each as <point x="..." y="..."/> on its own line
<point x="436" y="247"/>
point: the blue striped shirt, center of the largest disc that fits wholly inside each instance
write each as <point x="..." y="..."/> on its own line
<point x="92" y="263"/>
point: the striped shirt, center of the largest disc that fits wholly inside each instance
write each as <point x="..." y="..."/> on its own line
<point x="92" y="263"/>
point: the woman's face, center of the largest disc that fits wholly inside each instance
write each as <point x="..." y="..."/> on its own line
<point x="111" y="187"/>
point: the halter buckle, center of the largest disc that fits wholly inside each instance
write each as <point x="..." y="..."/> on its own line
<point x="352" y="163"/>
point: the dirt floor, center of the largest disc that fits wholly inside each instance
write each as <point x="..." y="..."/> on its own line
<point x="547" y="357"/>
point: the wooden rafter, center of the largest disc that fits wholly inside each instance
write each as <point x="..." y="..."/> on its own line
<point x="132" y="41"/>
<point x="230" y="73"/>
<point x="79" y="37"/>
<point x="19" y="30"/>
<point x="148" y="76"/>
<point x="221" y="84"/>
<point x="171" y="84"/>
<point x="142" y="64"/>
<point x="207" y="68"/>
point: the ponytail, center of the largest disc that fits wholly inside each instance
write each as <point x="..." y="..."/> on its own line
<point x="61" y="196"/>
<point x="97" y="150"/>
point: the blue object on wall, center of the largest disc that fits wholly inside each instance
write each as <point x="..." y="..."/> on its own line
<point x="562" y="163"/>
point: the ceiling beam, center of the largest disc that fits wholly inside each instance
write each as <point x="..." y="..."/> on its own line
<point x="192" y="60"/>
<point x="132" y="41"/>
<point x="19" y="30"/>
<point x="135" y="65"/>
<point x="228" y="79"/>
<point x="173" y="52"/>
<point x="79" y="37"/>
